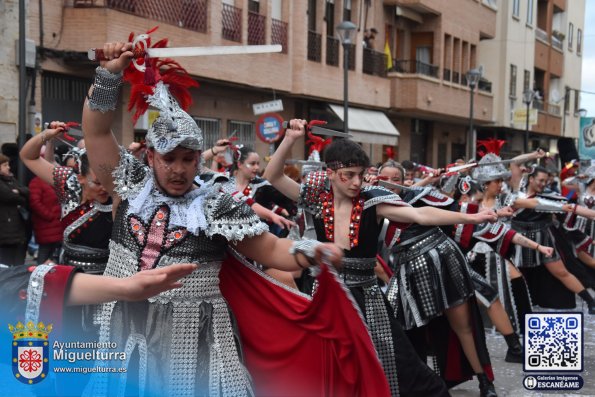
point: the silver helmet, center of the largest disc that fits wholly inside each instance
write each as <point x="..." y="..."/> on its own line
<point x="484" y="174"/>
<point x="174" y="127"/>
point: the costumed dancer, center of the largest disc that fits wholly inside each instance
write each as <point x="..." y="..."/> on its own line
<point x="585" y="184"/>
<point x="350" y="216"/>
<point x="432" y="283"/>
<point x="433" y="330"/>
<point x="86" y="205"/>
<point x="186" y="339"/>
<point x="535" y="219"/>
<point x="245" y="183"/>
<point x="496" y="268"/>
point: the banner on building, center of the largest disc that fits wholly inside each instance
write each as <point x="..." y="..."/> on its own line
<point x="586" y="138"/>
<point x="519" y="117"/>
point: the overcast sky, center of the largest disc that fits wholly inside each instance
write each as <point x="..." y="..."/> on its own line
<point x="588" y="72"/>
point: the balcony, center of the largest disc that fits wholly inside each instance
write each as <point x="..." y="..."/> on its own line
<point x="420" y="95"/>
<point x="548" y="124"/>
<point x="185" y="14"/>
<point x="557" y="43"/>
<point x="374" y="62"/>
<point x="256" y="28"/>
<point x="416" y="67"/>
<point x="314" y="46"/>
<point x="232" y="23"/>
<point x="332" y="51"/>
<point x="421" y="6"/>
<point x="542" y="35"/>
<point x="279" y="33"/>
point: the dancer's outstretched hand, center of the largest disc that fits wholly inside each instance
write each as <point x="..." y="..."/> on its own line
<point x="547" y="251"/>
<point x="148" y="283"/>
<point x="485" y="215"/>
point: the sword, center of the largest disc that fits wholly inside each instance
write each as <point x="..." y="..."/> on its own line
<point x="140" y="51"/>
<point x="392" y="185"/>
<point x="305" y="162"/>
<point x="316" y="130"/>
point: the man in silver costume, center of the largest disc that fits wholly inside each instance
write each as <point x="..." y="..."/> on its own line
<point x="351" y="217"/>
<point x="185" y="338"/>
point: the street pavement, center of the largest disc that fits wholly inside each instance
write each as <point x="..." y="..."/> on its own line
<point x="509" y="377"/>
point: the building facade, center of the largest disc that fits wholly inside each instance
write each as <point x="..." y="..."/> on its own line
<point x="536" y="57"/>
<point x="407" y="89"/>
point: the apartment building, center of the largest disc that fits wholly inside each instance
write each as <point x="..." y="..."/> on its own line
<point x="537" y="49"/>
<point x="418" y="103"/>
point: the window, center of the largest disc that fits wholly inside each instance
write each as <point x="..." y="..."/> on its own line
<point x="579" y="41"/>
<point x="570" y="34"/>
<point x="529" y="12"/>
<point x="245" y="130"/>
<point x="347" y="10"/>
<point x="512" y="87"/>
<point x="210" y="130"/>
<point x="516" y="5"/>
<point x="577" y="100"/>
<point x="527" y="80"/>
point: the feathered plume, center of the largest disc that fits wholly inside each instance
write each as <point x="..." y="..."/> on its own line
<point x="316" y="143"/>
<point x="390" y="152"/>
<point x="490" y="145"/>
<point x="165" y="70"/>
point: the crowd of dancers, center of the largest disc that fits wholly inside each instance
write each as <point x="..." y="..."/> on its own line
<point x="337" y="279"/>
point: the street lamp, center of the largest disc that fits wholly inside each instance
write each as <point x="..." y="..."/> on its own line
<point x="473" y="77"/>
<point x="528" y="96"/>
<point x="346" y="31"/>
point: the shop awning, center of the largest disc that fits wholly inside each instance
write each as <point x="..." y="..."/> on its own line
<point x="369" y="126"/>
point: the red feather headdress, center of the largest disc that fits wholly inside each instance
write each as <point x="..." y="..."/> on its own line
<point x="165" y="70"/>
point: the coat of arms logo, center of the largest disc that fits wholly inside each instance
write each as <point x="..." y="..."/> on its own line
<point x="30" y="351"/>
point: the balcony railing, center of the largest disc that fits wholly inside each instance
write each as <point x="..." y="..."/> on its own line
<point x="542" y="35"/>
<point x="185" y="14"/>
<point x="374" y="62"/>
<point x="314" y="46"/>
<point x="456" y="77"/>
<point x="279" y="33"/>
<point x="332" y="51"/>
<point x="232" y="23"/>
<point x="446" y="74"/>
<point x="418" y="67"/>
<point x="538" y="104"/>
<point x="256" y="28"/>
<point x="484" y="85"/>
<point x="351" y="63"/>
<point x="554" y="109"/>
<point x="557" y="43"/>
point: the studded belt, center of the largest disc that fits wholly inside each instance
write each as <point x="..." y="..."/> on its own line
<point x="419" y="245"/>
<point x="358" y="272"/>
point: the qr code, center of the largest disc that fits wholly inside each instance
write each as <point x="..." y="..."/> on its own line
<point x="554" y="342"/>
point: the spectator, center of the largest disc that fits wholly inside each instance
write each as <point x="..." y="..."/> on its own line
<point x="369" y="38"/>
<point x="13" y="216"/>
<point x="45" y="214"/>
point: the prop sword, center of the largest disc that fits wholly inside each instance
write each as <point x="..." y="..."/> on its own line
<point x="141" y="51"/>
<point x="305" y="162"/>
<point x="317" y="130"/>
<point x="392" y="185"/>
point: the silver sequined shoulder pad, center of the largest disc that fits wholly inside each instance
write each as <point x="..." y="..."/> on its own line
<point x="374" y="195"/>
<point x="130" y="175"/>
<point x="315" y="183"/>
<point x="231" y="219"/>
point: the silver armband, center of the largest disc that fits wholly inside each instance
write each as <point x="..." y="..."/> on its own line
<point x="545" y="205"/>
<point x="306" y="247"/>
<point x="106" y="90"/>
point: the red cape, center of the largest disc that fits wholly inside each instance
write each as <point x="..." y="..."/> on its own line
<point x="297" y="345"/>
